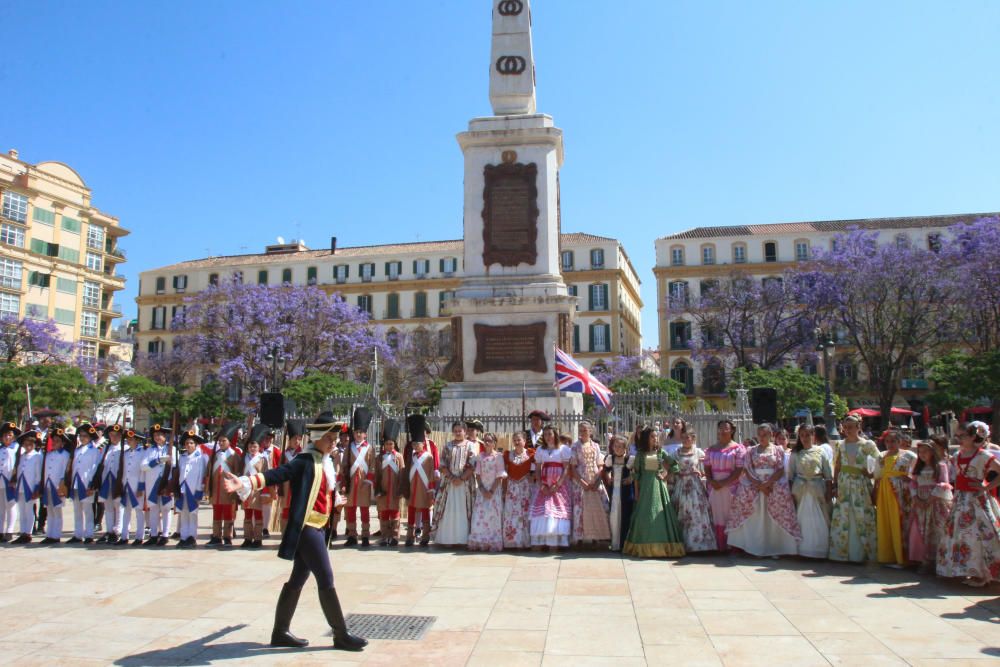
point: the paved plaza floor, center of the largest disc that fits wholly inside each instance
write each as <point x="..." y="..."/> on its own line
<point x="75" y="605"/>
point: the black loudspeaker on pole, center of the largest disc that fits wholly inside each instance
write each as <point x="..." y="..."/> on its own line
<point x="764" y="405"/>
<point x="272" y="409"/>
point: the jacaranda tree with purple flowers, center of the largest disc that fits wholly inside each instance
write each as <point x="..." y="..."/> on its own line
<point x="32" y="341"/>
<point x="243" y="333"/>
<point x="754" y="323"/>
<point x="890" y="299"/>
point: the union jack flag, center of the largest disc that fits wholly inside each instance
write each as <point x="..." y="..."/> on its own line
<point x="571" y="376"/>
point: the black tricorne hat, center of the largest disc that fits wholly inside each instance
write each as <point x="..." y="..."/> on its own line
<point x="541" y="414"/>
<point x="192" y="435"/>
<point x="113" y="428"/>
<point x="416" y="427"/>
<point x="159" y="428"/>
<point x="60" y="433"/>
<point x="10" y="426"/>
<point x="89" y="429"/>
<point x="362" y="419"/>
<point x="390" y="430"/>
<point x="294" y="427"/>
<point x="30" y="433"/>
<point x="259" y="432"/>
<point x="229" y="431"/>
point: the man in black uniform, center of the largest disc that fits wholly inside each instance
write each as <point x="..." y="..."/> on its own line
<point x="312" y="481"/>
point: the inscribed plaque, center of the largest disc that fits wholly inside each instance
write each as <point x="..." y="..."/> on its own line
<point x="510" y="214"/>
<point x="516" y="347"/>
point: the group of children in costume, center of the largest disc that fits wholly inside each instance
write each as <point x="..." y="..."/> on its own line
<point x="652" y="495"/>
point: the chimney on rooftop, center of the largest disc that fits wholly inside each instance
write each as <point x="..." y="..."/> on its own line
<point x="13" y="153"/>
<point x="333" y="245"/>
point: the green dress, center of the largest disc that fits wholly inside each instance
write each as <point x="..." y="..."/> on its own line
<point x="655" y="531"/>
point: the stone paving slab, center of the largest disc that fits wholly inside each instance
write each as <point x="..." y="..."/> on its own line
<point x="76" y="605"/>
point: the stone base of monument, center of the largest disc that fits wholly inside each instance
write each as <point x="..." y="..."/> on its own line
<point x="485" y="399"/>
<point x="505" y="346"/>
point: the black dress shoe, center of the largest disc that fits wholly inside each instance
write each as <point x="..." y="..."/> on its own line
<point x="161" y="541"/>
<point x="287" y="639"/>
<point x="24" y="538"/>
<point x="137" y="542"/>
<point x="350" y="541"/>
<point x="215" y="540"/>
<point x="74" y="540"/>
<point x="50" y="540"/>
<point x="365" y="542"/>
<point x="175" y="536"/>
<point x="246" y="544"/>
<point x="267" y="534"/>
<point x="228" y="541"/>
<point x="393" y="542"/>
<point x="121" y="542"/>
<point x="409" y="542"/>
<point x="151" y="542"/>
<point x="4" y="539"/>
<point x="88" y="540"/>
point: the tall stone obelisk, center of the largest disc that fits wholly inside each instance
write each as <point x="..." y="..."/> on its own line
<point x="512" y="308"/>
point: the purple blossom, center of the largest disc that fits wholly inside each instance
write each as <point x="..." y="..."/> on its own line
<point x="32" y="341"/>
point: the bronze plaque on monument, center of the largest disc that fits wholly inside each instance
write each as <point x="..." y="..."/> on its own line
<point x="510" y="214"/>
<point x="517" y="347"/>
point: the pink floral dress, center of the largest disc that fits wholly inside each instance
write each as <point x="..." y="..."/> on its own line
<point x="517" y="499"/>
<point x="970" y="546"/>
<point x="551" y="513"/>
<point x="486" y="533"/>
<point x="720" y="464"/>
<point x="690" y="499"/>
<point x="764" y="524"/>
<point x="930" y="505"/>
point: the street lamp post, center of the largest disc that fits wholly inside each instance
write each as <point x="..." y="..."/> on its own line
<point x="825" y="343"/>
<point x="275" y="358"/>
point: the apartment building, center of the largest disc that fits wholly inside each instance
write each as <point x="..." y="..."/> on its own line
<point x="405" y="288"/>
<point x="59" y="255"/>
<point x="689" y="262"/>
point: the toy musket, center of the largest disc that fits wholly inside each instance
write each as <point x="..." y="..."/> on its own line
<point x="168" y="467"/>
<point x="31" y="412"/>
<point x="118" y="490"/>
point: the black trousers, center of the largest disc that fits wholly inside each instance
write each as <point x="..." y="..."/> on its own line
<point x="312" y="557"/>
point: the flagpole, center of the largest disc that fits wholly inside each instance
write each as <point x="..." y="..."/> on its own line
<point x="555" y="388"/>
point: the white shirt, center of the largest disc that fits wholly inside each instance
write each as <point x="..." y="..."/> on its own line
<point x="192" y="471"/>
<point x="151" y="467"/>
<point x="55" y="466"/>
<point x="134" y="458"/>
<point x="29" y="469"/>
<point x="86" y="458"/>
<point x="7" y="455"/>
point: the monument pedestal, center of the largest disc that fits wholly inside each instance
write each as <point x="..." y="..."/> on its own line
<point x="512" y="308"/>
<point x="505" y="346"/>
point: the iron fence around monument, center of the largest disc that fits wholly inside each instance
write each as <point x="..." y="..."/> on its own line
<point x="629" y="411"/>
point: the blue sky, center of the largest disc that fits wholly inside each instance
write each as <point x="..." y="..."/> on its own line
<point x="215" y="127"/>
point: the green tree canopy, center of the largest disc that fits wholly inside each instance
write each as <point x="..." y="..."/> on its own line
<point x="311" y="391"/>
<point x="962" y="380"/>
<point x="795" y="389"/>
<point x="55" y="386"/>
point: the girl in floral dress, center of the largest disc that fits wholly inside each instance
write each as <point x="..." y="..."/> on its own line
<point x="552" y="508"/>
<point x="812" y="486"/>
<point x="930" y="505"/>
<point x="618" y="479"/>
<point x="892" y="500"/>
<point x="486" y="533"/>
<point x="690" y="498"/>
<point x="519" y="489"/>
<point x="453" y="504"/>
<point x="763" y="521"/>
<point x="970" y="546"/>
<point x="723" y="466"/>
<point x="852" y="524"/>
<point x="590" y="498"/>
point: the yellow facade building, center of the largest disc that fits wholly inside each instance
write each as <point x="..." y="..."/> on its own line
<point x="405" y="288"/>
<point x="59" y="256"/>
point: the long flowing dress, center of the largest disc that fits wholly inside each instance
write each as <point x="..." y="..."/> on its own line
<point x="721" y="464"/>
<point x="552" y="513"/>
<point x="621" y="492"/>
<point x="764" y="524"/>
<point x="930" y="505"/>
<point x="970" y="546"/>
<point x="486" y="533"/>
<point x="690" y="500"/>
<point x="852" y="522"/>
<point x="655" y="531"/>
<point x="590" y="508"/>
<point x="517" y="499"/>
<point x="892" y="506"/>
<point x="811" y="471"/>
<point x="453" y="503"/>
